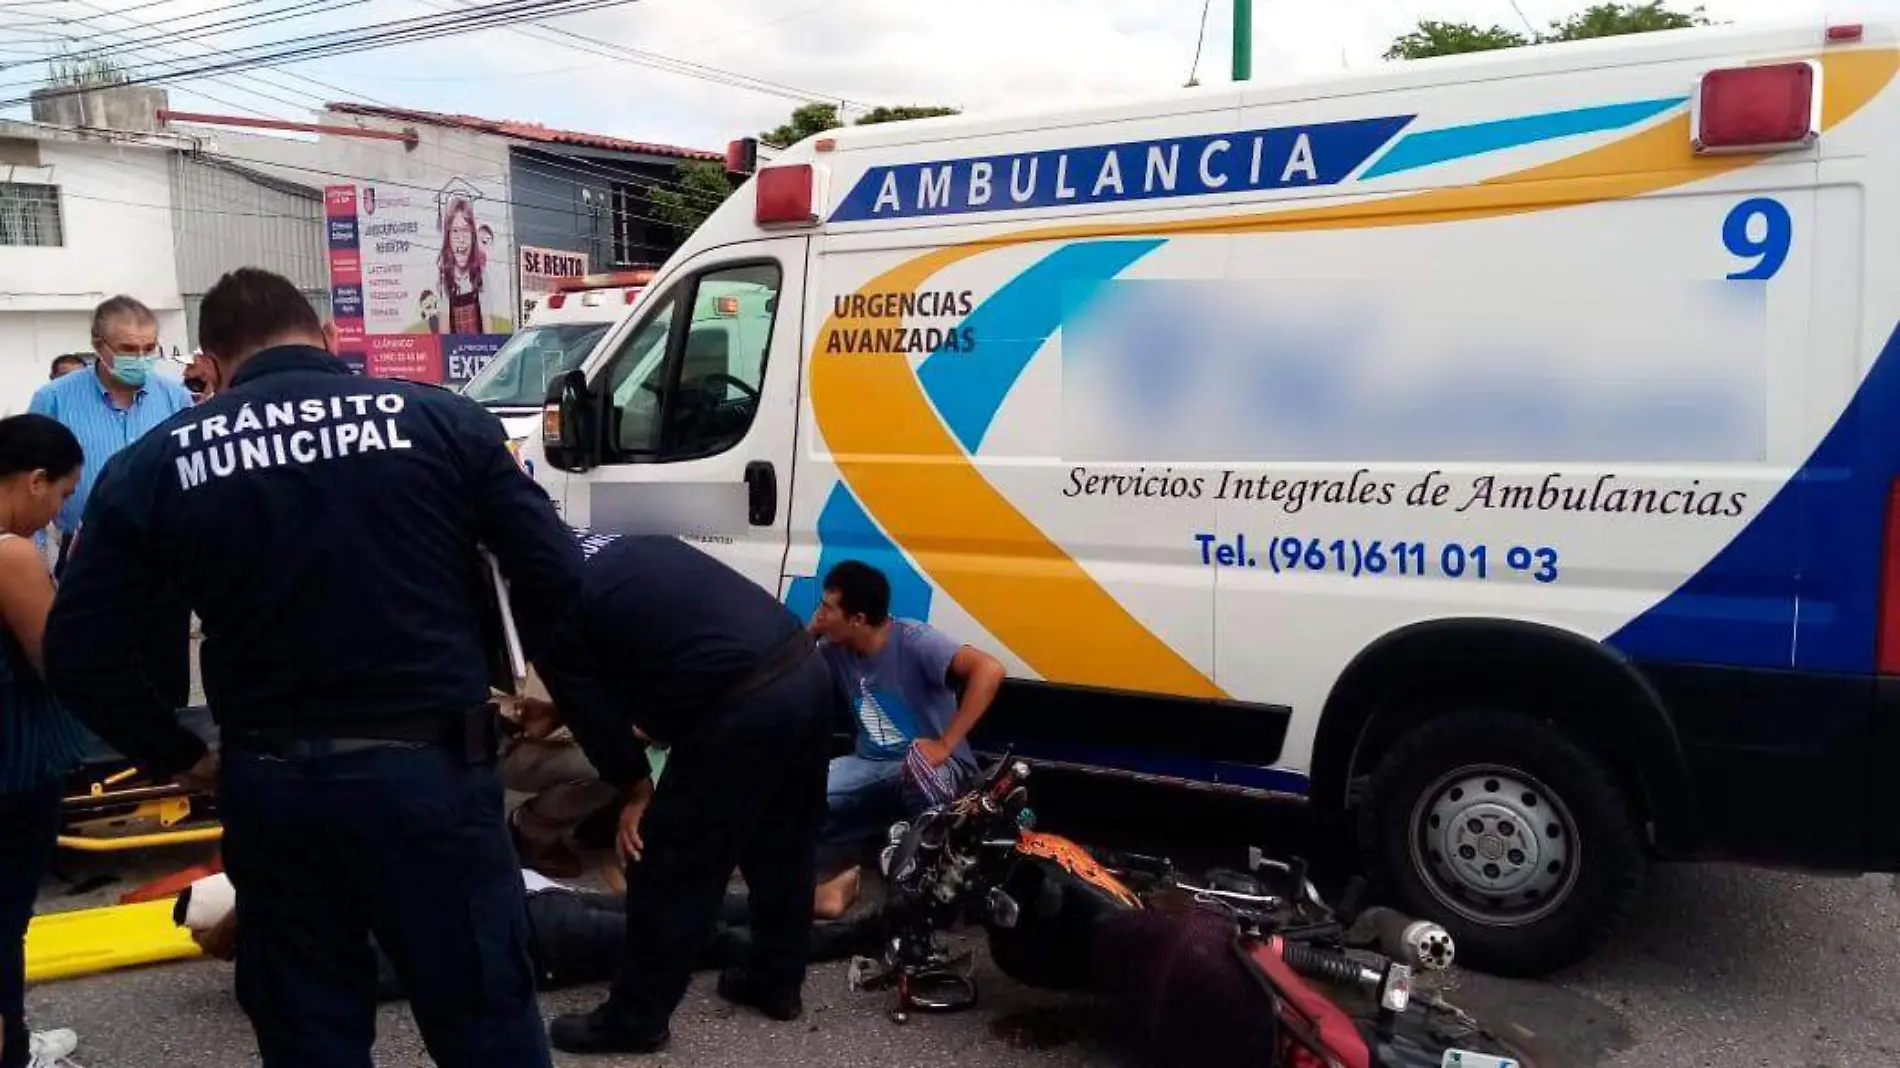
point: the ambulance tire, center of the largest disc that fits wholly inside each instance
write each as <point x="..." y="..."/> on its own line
<point x="1443" y="829"/>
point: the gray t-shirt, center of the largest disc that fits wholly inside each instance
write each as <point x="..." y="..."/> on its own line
<point x="903" y="693"/>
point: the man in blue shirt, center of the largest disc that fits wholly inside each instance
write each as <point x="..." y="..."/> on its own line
<point x="915" y="693"/>
<point x="114" y="404"/>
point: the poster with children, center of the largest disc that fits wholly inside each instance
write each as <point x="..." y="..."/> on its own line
<point x="422" y="283"/>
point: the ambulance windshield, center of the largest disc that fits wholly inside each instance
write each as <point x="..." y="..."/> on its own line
<point x="519" y="375"/>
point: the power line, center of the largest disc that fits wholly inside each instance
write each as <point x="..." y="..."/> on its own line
<point x="379" y="35"/>
<point x="164" y="50"/>
<point x="598" y="171"/>
<point x="594" y="171"/>
<point x="620" y="53"/>
<point x="375" y="32"/>
<point x="1520" y="17"/>
<point x="1200" y="40"/>
<point x="155" y="23"/>
<point x="299" y="10"/>
<point x="655" y="61"/>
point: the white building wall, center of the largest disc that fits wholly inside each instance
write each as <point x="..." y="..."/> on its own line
<point x="115" y="212"/>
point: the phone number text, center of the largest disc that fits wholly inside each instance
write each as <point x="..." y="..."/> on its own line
<point x="1358" y="557"/>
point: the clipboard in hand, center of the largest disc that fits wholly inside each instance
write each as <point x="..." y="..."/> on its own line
<point x="509" y="670"/>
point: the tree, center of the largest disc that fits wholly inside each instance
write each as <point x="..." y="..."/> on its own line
<point x="807" y="120"/>
<point x="1434" y="38"/>
<point x="696" y="188"/>
<point x="1612" y="20"/>
<point x="811" y="119"/>
<point x="902" y="112"/>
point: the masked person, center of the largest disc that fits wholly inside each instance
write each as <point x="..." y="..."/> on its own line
<point x="327" y="530"/>
<point x="667" y="645"/>
<point x="118" y="403"/>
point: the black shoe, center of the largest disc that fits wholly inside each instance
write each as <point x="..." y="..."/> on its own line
<point x="736" y="987"/>
<point x="603" y="1031"/>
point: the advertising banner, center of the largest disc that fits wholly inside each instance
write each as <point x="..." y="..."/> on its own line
<point x="420" y="282"/>
<point x="540" y="267"/>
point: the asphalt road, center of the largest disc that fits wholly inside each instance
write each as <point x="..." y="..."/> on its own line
<point x="1721" y="968"/>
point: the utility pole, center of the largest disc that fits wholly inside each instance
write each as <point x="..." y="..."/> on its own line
<point x="1243" y="40"/>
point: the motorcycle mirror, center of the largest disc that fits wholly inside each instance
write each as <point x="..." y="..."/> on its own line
<point x="1003" y="910"/>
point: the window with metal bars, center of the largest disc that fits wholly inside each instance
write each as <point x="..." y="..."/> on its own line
<point x="29" y="215"/>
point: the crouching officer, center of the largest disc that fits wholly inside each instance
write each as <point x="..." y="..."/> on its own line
<point x="325" y="528"/>
<point x="671" y="644"/>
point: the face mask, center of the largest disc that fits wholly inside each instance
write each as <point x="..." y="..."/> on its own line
<point x="132" y="370"/>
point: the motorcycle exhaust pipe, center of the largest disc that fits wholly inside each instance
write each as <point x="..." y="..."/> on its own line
<point x="1417" y="943"/>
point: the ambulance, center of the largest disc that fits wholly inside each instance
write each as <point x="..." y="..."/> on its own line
<point x="558" y="334"/>
<point x="1494" y="454"/>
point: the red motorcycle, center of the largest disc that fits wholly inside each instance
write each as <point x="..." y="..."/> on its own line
<point x="1188" y="961"/>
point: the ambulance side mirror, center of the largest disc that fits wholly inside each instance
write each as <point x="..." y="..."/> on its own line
<point x="569" y="438"/>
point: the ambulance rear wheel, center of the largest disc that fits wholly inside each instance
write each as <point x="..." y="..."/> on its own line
<point x="1504" y="830"/>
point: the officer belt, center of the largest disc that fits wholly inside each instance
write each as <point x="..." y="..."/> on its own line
<point x="475" y="735"/>
<point x="778" y="662"/>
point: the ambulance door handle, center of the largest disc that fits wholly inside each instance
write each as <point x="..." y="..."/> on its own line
<point x="761" y="483"/>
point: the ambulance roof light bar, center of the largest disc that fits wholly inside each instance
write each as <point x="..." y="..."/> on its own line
<point x="636" y="276"/>
<point x="630" y="282"/>
<point x="1768" y="108"/>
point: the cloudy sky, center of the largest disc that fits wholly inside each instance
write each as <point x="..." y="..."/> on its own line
<point x="971" y="54"/>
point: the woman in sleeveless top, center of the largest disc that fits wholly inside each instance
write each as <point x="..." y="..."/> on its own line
<point x="39" y="743"/>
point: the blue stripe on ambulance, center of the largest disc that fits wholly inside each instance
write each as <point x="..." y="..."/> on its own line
<point x="1799" y="587"/>
<point x="1423" y="148"/>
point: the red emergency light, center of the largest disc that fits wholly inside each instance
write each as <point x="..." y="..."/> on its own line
<point x="785" y="195"/>
<point x="1775" y="107"/>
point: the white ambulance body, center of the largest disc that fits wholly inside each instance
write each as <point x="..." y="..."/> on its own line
<point x="1498" y="449"/>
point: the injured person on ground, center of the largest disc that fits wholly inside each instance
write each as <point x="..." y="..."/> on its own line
<point x="565" y="820"/>
<point x="575" y="936"/>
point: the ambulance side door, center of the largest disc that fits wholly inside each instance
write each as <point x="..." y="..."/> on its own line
<point x="700" y="408"/>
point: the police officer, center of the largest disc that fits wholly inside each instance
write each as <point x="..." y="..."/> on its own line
<point x="668" y="645"/>
<point x="325" y="528"/>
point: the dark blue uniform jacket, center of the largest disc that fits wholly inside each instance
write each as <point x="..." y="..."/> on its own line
<point x="324" y="527"/>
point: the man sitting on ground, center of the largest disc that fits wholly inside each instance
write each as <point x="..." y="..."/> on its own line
<point x="915" y="694"/>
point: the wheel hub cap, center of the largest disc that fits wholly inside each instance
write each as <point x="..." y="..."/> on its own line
<point x="1496" y="845"/>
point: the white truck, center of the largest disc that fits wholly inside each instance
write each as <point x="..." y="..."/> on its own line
<point x="557" y="336"/>
<point x="1498" y="452"/>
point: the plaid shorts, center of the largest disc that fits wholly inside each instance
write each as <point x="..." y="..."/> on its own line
<point x="929" y="787"/>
